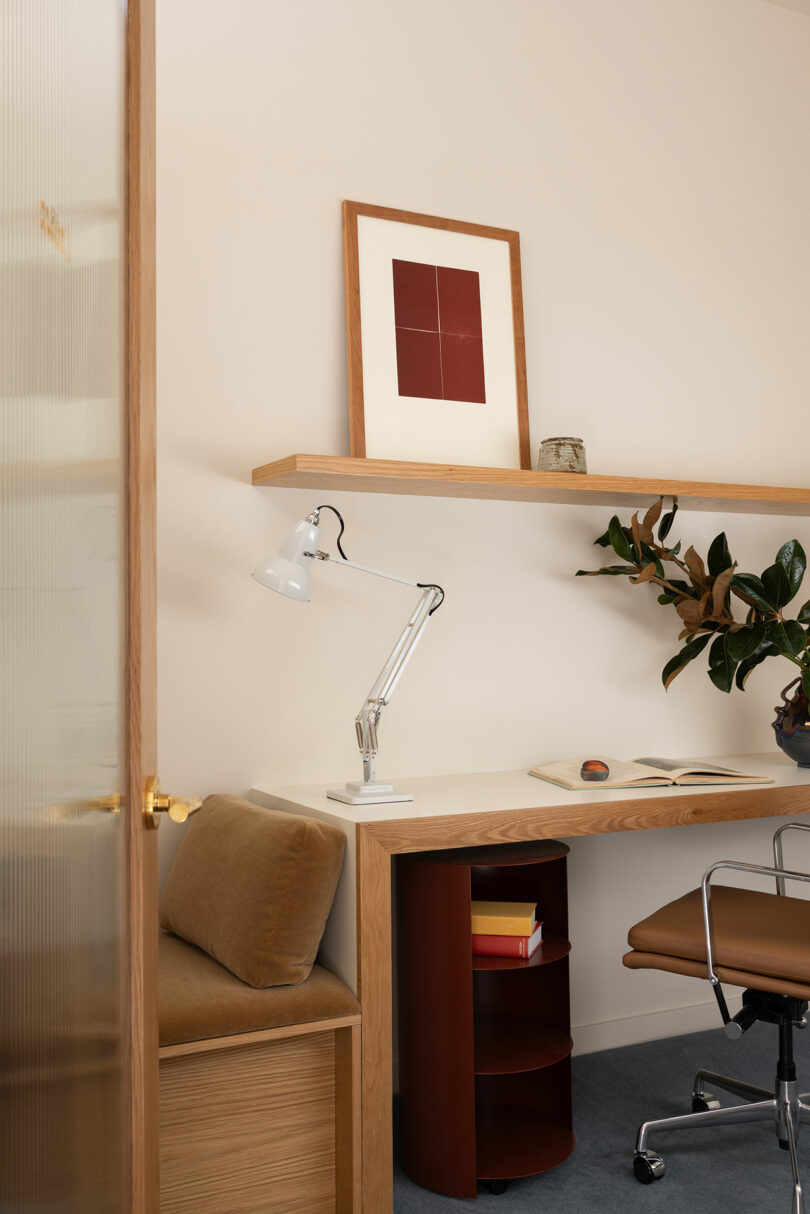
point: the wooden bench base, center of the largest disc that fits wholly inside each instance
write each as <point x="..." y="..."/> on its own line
<point x="265" y="1122"/>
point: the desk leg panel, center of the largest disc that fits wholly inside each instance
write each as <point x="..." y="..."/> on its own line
<point x="375" y="994"/>
<point x="436" y="1046"/>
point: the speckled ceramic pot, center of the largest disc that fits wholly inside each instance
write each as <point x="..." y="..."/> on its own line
<point x="562" y="455"/>
<point x="792" y="724"/>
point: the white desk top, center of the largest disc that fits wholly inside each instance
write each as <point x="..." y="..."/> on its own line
<point x="495" y="791"/>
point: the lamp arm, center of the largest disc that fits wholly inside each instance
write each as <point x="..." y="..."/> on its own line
<point x="367" y="719"/>
<point x="391" y="577"/>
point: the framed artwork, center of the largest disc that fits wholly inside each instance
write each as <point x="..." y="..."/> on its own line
<point x="434" y="339"/>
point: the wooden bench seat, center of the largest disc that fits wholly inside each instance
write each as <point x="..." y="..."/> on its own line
<point x="259" y="1091"/>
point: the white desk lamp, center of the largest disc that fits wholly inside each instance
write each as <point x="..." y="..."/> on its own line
<point x="291" y="573"/>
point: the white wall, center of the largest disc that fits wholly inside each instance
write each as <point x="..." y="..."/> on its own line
<point x="653" y="155"/>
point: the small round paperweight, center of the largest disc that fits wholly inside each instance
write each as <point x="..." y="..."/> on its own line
<point x="594" y="769"/>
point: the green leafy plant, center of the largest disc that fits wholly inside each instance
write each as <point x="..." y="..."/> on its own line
<point x="703" y="594"/>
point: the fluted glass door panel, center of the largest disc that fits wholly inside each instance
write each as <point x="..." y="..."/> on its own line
<point x="62" y="605"/>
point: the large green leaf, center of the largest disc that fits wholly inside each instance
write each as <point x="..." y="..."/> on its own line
<point x="745" y="642"/>
<point x="675" y="665"/>
<point x="787" y="635"/>
<point x="719" y="557"/>
<point x="753" y="591"/>
<point x="648" y="554"/>
<point x="619" y="541"/>
<point x="684" y="587"/>
<point x="806" y="683"/>
<point x="666" y="523"/>
<point x="763" y="651"/>
<point x="797" y="635"/>
<point x="608" y="571"/>
<point x="791" y="557"/>
<point x="804" y="615"/>
<point x="721" y="664"/>
<point x="777" y="584"/>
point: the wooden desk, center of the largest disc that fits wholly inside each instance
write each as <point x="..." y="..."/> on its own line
<point x="463" y="811"/>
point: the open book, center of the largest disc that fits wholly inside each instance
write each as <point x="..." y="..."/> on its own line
<point x="644" y="773"/>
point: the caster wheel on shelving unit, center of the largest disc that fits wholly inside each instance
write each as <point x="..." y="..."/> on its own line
<point x="648" y="1167"/>
<point x="497" y="1186"/>
<point x="704" y="1102"/>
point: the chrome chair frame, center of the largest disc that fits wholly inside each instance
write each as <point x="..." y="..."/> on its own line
<point x="785" y="1107"/>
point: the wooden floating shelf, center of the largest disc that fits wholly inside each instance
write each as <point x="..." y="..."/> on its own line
<point x="349" y="475"/>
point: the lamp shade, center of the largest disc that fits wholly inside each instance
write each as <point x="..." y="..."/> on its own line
<point x="290" y="572"/>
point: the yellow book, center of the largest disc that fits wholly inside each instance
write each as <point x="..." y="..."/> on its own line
<point x="503" y="918"/>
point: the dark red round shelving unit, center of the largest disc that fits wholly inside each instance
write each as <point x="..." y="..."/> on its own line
<point x="484" y="1042"/>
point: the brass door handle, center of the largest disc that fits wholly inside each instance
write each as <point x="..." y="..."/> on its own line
<point x="156" y="802"/>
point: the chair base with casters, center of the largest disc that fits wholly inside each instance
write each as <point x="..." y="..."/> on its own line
<point x="748" y="938"/>
<point x="784" y="1107"/>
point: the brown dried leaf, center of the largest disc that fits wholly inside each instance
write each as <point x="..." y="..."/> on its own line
<point x="636" y="534"/>
<point x="642" y="532"/>
<point x="689" y="611"/>
<point x="674" y="675"/>
<point x="647" y="572"/>
<point x="654" y="513"/>
<point x="697" y="570"/>
<point x="719" y="591"/>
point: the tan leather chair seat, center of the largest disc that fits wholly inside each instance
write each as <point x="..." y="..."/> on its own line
<point x="762" y="941"/>
<point x="199" y="998"/>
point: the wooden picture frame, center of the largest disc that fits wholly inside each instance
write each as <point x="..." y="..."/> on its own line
<point x="434" y="339"/>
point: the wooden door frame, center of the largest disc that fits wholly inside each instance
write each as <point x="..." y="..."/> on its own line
<point x="142" y="1191"/>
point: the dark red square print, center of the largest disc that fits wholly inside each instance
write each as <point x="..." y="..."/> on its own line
<point x="459" y="301"/>
<point x="415" y="296"/>
<point x="419" y="369"/>
<point x="437" y="316"/>
<point x="463" y="368"/>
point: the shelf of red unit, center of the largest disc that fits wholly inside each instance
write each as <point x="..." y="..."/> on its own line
<point x="550" y="950"/>
<point x="484" y="1042"/>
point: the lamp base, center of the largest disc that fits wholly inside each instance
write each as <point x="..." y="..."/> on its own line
<point x="359" y="792"/>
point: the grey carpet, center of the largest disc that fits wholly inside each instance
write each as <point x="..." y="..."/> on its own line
<point x="719" y="1171"/>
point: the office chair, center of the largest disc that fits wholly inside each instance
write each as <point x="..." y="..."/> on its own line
<point x="748" y="938"/>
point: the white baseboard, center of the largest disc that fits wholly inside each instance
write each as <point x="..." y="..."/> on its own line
<point x="650" y="1026"/>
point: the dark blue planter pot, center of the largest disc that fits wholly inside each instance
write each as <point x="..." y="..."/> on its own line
<point x="796" y="745"/>
<point x="792" y="724"/>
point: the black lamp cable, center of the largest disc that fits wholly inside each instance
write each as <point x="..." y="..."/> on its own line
<point x="342" y="527"/>
<point x="421" y="585"/>
<point x="432" y="586"/>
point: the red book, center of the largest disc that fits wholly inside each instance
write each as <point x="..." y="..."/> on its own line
<point x="507" y="946"/>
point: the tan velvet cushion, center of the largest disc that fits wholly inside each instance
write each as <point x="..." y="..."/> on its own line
<point x="756" y="934"/>
<point x="200" y="998"/>
<point x="252" y="887"/>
